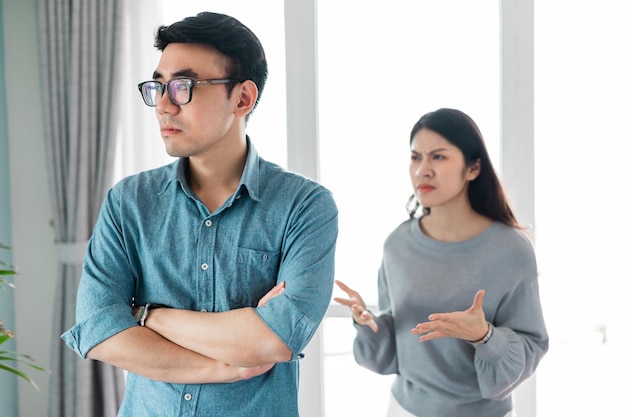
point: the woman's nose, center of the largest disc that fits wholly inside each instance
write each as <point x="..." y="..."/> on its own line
<point x="423" y="170"/>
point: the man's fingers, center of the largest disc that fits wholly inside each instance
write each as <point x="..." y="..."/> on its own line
<point x="274" y="292"/>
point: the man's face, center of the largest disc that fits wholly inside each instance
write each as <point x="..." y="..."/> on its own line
<point x="207" y="121"/>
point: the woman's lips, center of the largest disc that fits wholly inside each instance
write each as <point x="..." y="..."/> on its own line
<point x="425" y="188"/>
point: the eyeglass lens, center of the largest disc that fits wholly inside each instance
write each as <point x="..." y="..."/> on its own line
<point x="179" y="91"/>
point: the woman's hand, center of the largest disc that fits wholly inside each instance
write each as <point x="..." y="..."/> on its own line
<point x="468" y="325"/>
<point x="360" y="314"/>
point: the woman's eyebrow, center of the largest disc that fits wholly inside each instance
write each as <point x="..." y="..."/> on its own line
<point x="432" y="151"/>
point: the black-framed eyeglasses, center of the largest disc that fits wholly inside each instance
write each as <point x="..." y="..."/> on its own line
<point x="178" y="89"/>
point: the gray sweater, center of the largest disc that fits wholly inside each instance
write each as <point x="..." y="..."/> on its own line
<point x="449" y="377"/>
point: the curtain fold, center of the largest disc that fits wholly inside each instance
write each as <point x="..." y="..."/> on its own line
<point x="78" y="50"/>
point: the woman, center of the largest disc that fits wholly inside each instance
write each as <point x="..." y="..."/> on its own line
<point x="453" y="357"/>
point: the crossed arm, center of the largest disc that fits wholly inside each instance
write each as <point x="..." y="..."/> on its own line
<point x="188" y="347"/>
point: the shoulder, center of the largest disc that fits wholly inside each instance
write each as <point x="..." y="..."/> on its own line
<point x="151" y="180"/>
<point x="406" y="227"/>
<point x="278" y="183"/>
<point x="518" y="238"/>
<point x="512" y="244"/>
<point x="272" y="173"/>
<point x="403" y="234"/>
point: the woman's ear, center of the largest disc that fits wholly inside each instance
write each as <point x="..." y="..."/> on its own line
<point x="473" y="170"/>
<point x="247" y="94"/>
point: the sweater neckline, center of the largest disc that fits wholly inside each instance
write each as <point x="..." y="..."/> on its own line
<point x="438" y="244"/>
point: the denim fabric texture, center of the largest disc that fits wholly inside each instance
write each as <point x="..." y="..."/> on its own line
<point x="156" y="242"/>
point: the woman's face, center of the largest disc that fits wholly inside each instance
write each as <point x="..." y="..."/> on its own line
<point x="438" y="172"/>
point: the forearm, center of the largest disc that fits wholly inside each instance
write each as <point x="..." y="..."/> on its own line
<point x="237" y="337"/>
<point x="143" y="352"/>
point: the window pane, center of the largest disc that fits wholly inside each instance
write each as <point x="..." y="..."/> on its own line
<point x="350" y="390"/>
<point x="379" y="70"/>
<point x="580" y="146"/>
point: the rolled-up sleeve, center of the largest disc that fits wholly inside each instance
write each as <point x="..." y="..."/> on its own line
<point x="307" y="268"/>
<point x="105" y="290"/>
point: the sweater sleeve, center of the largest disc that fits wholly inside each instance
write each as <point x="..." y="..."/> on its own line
<point x="519" y="341"/>
<point x="376" y="351"/>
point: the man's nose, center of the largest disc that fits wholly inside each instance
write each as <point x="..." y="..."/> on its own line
<point x="165" y="105"/>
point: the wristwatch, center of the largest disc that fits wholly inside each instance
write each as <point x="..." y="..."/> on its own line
<point x="484" y="339"/>
<point x="142" y="312"/>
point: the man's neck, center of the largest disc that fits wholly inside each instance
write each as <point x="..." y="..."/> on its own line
<point x="214" y="176"/>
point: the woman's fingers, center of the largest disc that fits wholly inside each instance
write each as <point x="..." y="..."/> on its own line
<point x="364" y="317"/>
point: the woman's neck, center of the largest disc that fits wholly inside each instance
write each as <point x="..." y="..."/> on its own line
<point x="454" y="225"/>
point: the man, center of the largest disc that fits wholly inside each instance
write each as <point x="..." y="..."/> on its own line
<point x="206" y="278"/>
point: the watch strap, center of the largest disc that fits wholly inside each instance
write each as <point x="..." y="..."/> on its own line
<point x="142" y="312"/>
<point x="139" y="313"/>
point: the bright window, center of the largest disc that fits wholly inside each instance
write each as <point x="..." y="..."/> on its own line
<point x="380" y="69"/>
<point x="580" y="146"/>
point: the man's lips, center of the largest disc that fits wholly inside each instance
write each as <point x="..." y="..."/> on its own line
<point x="169" y="130"/>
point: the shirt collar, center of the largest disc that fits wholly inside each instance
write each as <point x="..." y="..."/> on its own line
<point x="249" y="177"/>
<point x="251" y="173"/>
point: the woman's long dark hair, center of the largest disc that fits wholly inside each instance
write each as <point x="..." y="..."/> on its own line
<point x="486" y="195"/>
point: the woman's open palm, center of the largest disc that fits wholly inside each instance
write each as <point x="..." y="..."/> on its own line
<point x="360" y="313"/>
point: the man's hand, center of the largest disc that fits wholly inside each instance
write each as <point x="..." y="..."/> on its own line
<point x="274" y="292"/>
<point x="247" y="373"/>
<point x="468" y="325"/>
<point x="357" y="306"/>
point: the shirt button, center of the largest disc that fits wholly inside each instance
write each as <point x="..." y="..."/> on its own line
<point x="238" y="197"/>
<point x="204" y="266"/>
<point x="187" y="397"/>
<point x="204" y="310"/>
<point x="208" y="223"/>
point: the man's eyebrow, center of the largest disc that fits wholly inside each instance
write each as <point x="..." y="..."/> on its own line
<point x="187" y="72"/>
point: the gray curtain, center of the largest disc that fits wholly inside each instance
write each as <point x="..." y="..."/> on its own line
<point x="78" y="42"/>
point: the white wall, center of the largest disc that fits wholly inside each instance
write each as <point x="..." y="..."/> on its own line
<point x="32" y="235"/>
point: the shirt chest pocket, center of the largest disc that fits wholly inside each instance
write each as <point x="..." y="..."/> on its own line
<point x="256" y="272"/>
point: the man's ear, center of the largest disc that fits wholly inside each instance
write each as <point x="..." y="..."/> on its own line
<point x="247" y="94"/>
<point x="473" y="170"/>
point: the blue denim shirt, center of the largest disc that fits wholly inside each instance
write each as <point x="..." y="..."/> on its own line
<point x="156" y="242"/>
